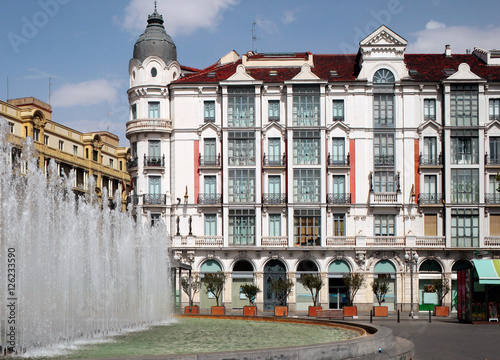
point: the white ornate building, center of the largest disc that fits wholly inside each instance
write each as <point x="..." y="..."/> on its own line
<point x="271" y="164"/>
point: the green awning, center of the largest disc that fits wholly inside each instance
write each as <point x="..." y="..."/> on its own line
<point x="488" y="271"/>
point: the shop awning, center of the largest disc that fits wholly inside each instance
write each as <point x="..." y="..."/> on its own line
<point x="488" y="271"/>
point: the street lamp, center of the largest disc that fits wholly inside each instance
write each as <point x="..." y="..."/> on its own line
<point x="411" y="259"/>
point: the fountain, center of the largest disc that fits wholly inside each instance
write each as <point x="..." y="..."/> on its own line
<point x="69" y="269"/>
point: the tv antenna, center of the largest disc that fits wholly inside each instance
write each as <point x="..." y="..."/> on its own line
<point x="254" y="38"/>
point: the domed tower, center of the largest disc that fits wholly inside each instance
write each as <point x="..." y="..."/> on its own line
<point x="153" y="67"/>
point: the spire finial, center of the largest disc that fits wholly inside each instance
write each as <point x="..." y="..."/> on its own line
<point x="155" y="5"/>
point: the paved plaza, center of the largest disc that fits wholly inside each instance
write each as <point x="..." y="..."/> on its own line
<point x="444" y="338"/>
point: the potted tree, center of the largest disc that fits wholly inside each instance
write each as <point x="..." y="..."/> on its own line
<point x="214" y="283"/>
<point x="442" y="287"/>
<point x="313" y="283"/>
<point x="191" y="286"/>
<point x="380" y="289"/>
<point x="282" y="289"/>
<point x="353" y="282"/>
<point x="250" y="291"/>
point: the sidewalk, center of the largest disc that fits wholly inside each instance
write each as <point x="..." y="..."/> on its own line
<point x="444" y="337"/>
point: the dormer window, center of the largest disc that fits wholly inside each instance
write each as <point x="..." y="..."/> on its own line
<point x="383" y="76"/>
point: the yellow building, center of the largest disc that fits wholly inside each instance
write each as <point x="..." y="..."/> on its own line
<point x="94" y="154"/>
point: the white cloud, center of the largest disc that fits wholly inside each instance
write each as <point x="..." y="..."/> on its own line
<point x="180" y="16"/>
<point x="289" y="17"/>
<point x="436" y="35"/>
<point x="84" y="93"/>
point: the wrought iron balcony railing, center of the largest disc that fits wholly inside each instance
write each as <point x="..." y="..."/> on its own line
<point x="274" y="199"/>
<point x="132" y="163"/>
<point x="492" y="198"/>
<point x="155" y="199"/>
<point x="209" y="160"/>
<point x="154" y="161"/>
<point x="430" y="199"/>
<point x="430" y="160"/>
<point x="491" y="160"/>
<point x="274" y="160"/>
<point x="339" y="199"/>
<point x="383" y="160"/>
<point x="209" y="199"/>
<point x="339" y="160"/>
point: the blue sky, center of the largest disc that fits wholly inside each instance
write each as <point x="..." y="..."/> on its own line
<point x="85" y="46"/>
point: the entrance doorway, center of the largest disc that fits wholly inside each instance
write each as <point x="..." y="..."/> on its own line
<point x="336" y="288"/>
<point x="273" y="270"/>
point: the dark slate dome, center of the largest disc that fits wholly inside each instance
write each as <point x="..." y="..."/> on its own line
<point x="155" y="41"/>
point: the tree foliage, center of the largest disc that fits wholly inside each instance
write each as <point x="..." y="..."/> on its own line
<point x="442" y="287"/>
<point x="313" y="283"/>
<point x="380" y="289"/>
<point x="214" y="283"/>
<point x="282" y="289"/>
<point x="194" y="286"/>
<point x="353" y="282"/>
<point x="250" y="291"/>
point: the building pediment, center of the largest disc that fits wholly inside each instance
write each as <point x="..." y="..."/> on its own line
<point x="430" y="124"/>
<point x="240" y="75"/>
<point x="273" y="125"/>
<point x="383" y="37"/>
<point x="305" y="73"/>
<point x="209" y="126"/>
<point x="494" y="124"/>
<point x="463" y="73"/>
<point x="338" y="125"/>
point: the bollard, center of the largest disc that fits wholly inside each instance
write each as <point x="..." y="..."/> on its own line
<point x="371" y="316"/>
<point x="398" y="316"/>
<point x="430" y="316"/>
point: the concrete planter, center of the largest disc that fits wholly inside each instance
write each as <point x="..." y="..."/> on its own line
<point x="218" y="310"/>
<point x="194" y="310"/>
<point x="441" y="311"/>
<point x="312" y="310"/>
<point x="380" y="311"/>
<point x="350" y="311"/>
<point x="281" y="310"/>
<point x="249" y="310"/>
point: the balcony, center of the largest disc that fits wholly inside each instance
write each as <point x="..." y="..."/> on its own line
<point x="430" y="199"/>
<point x="275" y="241"/>
<point x="154" y="161"/>
<point x="133" y="163"/>
<point x="209" y="199"/>
<point x="155" y="199"/>
<point x="431" y="241"/>
<point x="339" y="161"/>
<point x="430" y="161"/>
<point x="148" y="125"/>
<point x="338" y="199"/>
<point x="133" y="199"/>
<point x="491" y="161"/>
<point x="274" y="199"/>
<point x="209" y="241"/>
<point x="386" y="241"/>
<point x="341" y="241"/>
<point x="383" y="160"/>
<point x="492" y="198"/>
<point x="492" y="241"/>
<point x="385" y="199"/>
<point x="274" y="161"/>
<point x="209" y="161"/>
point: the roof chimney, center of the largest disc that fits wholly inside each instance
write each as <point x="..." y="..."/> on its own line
<point x="447" y="50"/>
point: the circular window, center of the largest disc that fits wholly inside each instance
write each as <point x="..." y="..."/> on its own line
<point x="154" y="72"/>
<point x="383" y="76"/>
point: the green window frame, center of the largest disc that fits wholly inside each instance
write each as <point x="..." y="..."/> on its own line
<point x="306" y="185"/>
<point x="306" y="147"/>
<point x="274" y="110"/>
<point x="210" y="224"/>
<point x="241" y="107"/>
<point x="241" y="227"/>
<point x="384" y="225"/>
<point x="464" y="109"/>
<point x="306" y="105"/>
<point x="154" y="109"/>
<point x="465" y="186"/>
<point x="465" y="228"/>
<point x="209" y="111"/>
<point x="338" y="110"/>
<point x="241" y="185"/>
<point x="241" y="148"/>
<point x="274" y="224"/>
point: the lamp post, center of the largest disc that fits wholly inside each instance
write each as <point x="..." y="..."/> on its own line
<point x="411" y="259"/>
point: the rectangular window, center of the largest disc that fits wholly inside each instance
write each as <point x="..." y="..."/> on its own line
<point x="465" y="186"/>
<point x="384" y="182"/>
<point x="493" y="195"/>
<point x="154" y="109"/>
<point x="154" y="185"/>
<point x="210" y="195"/>
<point x="241" y="107"/>
<point x="274" y="156"/>
<point x="306" y="147"/>
<point x="383" y="110"/>
<point x="209" y="111"/>
<point x="338" y="224"/>
<point x="241" y="185"/>
<point x="494" y="109"/>
<point x="210" y="224"/>
<point x="494" y="155"/>
<point x="134" y="111"/>
<point x="465" y="150"/>
<point x="75" y="150"/>
<point x="430" y="224"/>
<point x="383" y="146"/>
<point x="274" y="225"/>
<point x="36" y="134"/>
<point x="465" y="228"/>
<point x="111" y="163"/>
<point x="385" y="225"/>
<point x="241" y="148"/>
<point x="61" y="145"/>
<point x="46" y="139"/>
<point x="339" y="189"/>
<point x="155" y="219"/>
<point x="494" y="225"/>
<point x="430" y="186"/>
<point x="307" y="227"/>
<point x="306" y="105"/>
<point x="430" y="151"/>
<point x="306" y="185"/>
<point x="210" y="154"/>
<point x="464" y="105"/>
<point x="133" y="150"/>
<point x="154" y="149"/>
<point x="242" y="227"/>
<point x="274" y="110"/>
<point x="338" y="152"/>
<point x="11" y="127"/>
<point x="429" y="109"/>
<point x="338" y="110"/>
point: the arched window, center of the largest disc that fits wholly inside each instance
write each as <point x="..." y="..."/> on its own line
<point x="383" y="76"/>
<point x="430" y="266"/>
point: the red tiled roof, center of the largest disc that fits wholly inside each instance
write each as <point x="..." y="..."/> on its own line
<point x="429" y="67"/>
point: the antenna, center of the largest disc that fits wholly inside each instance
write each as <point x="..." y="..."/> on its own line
<point x="254" y="38"/>
<point x="50" y="88"/>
